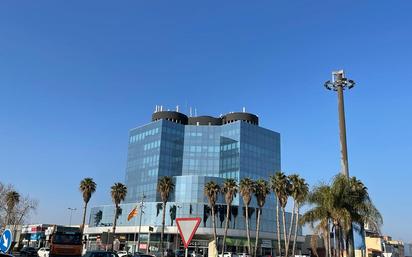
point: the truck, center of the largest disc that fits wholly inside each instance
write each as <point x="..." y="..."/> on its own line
<point x="64" y="241"/>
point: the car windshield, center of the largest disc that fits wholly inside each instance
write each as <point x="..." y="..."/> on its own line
<point x="69" y="239"/>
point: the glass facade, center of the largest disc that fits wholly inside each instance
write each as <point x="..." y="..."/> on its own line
<point x="194" y="155"/>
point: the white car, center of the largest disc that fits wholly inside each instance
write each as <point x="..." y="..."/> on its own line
<point x="122" y="253"/>
<point x="43" y="252"/>
<point x="244" y="255"/>
<point x="228" y="254"/>
<point x="194" y="254"/>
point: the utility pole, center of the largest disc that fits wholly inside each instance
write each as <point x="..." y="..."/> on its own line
<point x="339" y="83"/>
<point x="71" y="210"/>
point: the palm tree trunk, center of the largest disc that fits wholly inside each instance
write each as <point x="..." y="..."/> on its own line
<point x="84" y="216"/>
<point x="325" y="241"/>
<point x="344" y="251"/>
<point x="115" y="219"/>
<point x="226" y="227"/>
<point x="214" y="227"/>
<point x="350" y="243"/>
<point x="329" y="242"/>
<point x="257" y="232"/>
<point x="291" y="223"/>
<point x="278" y="227"/>
<point x="296" y="230"/>
<point x="247" y="230"/>
<point x="338" y="240"/>
<point x="285" y="233"/>
<point x="362" y="231"/>
<point x="163" y="229"/>
<point x="325" y="234"/>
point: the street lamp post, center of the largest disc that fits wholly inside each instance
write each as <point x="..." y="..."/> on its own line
<point x="177" y="231"/>
<point x="71" y="210"/>
<point x="339" y="83"/>
<point x="140" y="224"/>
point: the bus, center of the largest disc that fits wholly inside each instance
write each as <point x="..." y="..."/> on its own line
<point x="65" y="241"/>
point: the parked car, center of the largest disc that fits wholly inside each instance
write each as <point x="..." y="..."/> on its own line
<point x="139" y="253"/>
<point x="143" y="255"/>
<point x="100" y="254"/>
<point x="180" y="253"/>
<point x="169" y="253"/>
<point x="43" y="252"/>
<point x="195" y="254"/>
<point x="5" y="255"/>
<point x="28" y="251"/>
<point x="228" y="254"/>
<point x="122" y="253"/>
<point x="244" y="255"/>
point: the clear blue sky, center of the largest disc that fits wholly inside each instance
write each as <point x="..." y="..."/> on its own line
<point x="75" y="76"/>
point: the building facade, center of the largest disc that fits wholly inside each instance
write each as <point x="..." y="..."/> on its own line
<point x="194" y="151"/>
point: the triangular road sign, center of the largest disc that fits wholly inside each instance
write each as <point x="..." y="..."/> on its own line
<point x="187" y="228"/>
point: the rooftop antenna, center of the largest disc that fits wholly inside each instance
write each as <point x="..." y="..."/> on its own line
<point x="177" y="108"/>
<point x="195" y="112"/>
<point x="190" y="111"/>
<point x="244" y="109"/>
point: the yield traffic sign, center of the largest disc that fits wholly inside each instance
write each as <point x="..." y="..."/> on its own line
<point x="187" y="228"/>
<point x="5" y="241"/>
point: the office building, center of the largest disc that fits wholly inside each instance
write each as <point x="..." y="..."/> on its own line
<point x="194" y="151"/>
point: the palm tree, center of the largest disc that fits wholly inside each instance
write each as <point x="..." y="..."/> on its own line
<point x="229" y="191"/>
<point x="361" y="209"/>
<point x="262" y="189"/>
<point x="300" y="191"/>
<point x="165" y="186"/>
<point x="118" y="192"/>
<point x="343" y="203"/>
<point x="246" y="189"/>
<point x="12" y="199"/>
<point x="281" y="187"/>
<point x="211" y="191"/>
<point x="87" y="187"/>
<point x="322" y="198"/>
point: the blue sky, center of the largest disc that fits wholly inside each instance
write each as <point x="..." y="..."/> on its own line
<point x="75" y="76"/>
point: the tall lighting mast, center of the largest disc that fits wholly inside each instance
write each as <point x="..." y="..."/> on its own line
<point x="339" y="83"/>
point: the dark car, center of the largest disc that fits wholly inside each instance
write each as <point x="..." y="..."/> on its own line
<point x="169" y="253"/>
<point x="28" y="251"/>
<point x="5" y="255"/>
<point x="143" y="255"/>
<point x="100" y="254"/>
<point x="180" y="253"/>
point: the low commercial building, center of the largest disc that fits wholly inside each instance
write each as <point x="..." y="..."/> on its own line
<point x="408" y="250"/>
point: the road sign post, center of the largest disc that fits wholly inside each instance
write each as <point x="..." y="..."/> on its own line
<point x="187" y="228"/>
<point x="5" y="241"/>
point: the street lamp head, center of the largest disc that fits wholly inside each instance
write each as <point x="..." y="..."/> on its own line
<point x="339" y="80"/>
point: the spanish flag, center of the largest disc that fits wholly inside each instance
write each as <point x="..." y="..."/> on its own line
<point x="132" y="214"/>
